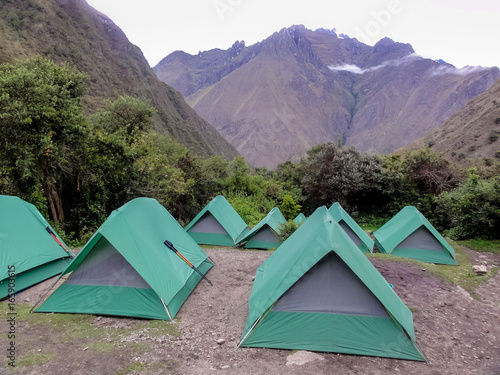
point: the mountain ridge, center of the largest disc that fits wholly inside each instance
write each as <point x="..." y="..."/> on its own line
<point x="76" y="33"/>
<point x="472" y="132"/>
<point x="279" y="97"/>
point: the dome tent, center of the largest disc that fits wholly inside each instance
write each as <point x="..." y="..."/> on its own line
<point x="318" y="292"/>
<point x="410" y="235"/>
<point x="30" y="250"/>
<point x="126" y="270"/>
<point x="265" y="234"/>
<point x="217" y="224"/>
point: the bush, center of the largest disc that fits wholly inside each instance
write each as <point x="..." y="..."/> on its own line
<point x="286" y="229"/>
<point x="493" y="136"/>
<point x="473" y="208"/>
<point x="289" y="208"/>
<point x="252" y="208"/>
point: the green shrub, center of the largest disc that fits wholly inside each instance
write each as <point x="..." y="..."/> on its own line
<point x="286" y="229"/>
<point x="473" y="208"/>
<point x="289" y="208"/>
<point x="493" y="136"/>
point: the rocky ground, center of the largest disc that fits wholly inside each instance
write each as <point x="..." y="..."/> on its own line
<point x="458" y="334"/>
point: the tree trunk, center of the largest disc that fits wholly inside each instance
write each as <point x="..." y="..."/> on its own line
<point x="55" y="206"/>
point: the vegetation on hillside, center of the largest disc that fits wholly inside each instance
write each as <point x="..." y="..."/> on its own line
<point x="78" y="167"/>
<point x="74" y="33"/>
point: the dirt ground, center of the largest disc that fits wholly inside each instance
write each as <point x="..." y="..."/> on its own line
<point x="458" y="334"/>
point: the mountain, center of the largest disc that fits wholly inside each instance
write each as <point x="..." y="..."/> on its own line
<point x="74" y="32"/>
<point x="277" y="98"/>
<point x="472" y="132"/>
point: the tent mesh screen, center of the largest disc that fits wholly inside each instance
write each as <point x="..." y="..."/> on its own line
<point x="330" y="286"/>
<point x="421" y="238"/>
<point x="265" y="234"/>
<point x="104" y="265"/>
<point x="208" y="224"/>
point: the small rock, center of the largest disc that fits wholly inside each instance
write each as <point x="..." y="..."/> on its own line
<point x="85" y="348"/>
<point x="302" y="357"/>
<point x="225" y="367"/>
<point x="220" y="341"/>
<point x="480" y="270"/>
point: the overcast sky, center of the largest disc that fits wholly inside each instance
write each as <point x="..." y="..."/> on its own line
<point x="461" y="32"/>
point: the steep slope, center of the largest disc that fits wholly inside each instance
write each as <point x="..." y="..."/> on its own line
<point x="474" y="131"/>
<point x="74" y="32"/>
<point x="297" y="88"/>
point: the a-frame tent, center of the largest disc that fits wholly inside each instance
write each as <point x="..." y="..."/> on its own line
<point x="318" y="292"/>
<point x="265" y="234"/>
<point x="29" y="247"/>
<point x="353" y="230"/>
<point x="300" y="218"/>
<point x="126" y="270"/>
<point x="410" y="235"/>
<point x="217" y="224"/>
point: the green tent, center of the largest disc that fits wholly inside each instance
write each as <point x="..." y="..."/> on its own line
<point x="409" y="234"/>
<point x="318" y="292"/>
<point x="126" y="270"/>
<point x="28" y="247"/>
<point x="300" y="218"/>
<point x="353" y="230"/>
<point x="217" y="224"/>
<point x="264" y="234"/>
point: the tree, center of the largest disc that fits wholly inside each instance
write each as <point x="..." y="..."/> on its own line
<point x="42" y="127"/>
<point x="337" y="173"/>
<point x="472" y="210"/>
<point x="116" y="167"/>
<point x="289" y="208"/>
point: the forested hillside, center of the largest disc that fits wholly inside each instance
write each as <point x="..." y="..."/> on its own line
<point x="73" y="32"/>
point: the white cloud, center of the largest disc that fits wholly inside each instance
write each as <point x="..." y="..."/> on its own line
<point x="348" y="68"/>
<point x="358" y="70"/>
<point x="450" y="69"/>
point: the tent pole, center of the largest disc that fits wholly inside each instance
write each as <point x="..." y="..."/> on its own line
<point x="250" y="330"/>
<point x="166" y="309"/>
<point x="45" y="294"/>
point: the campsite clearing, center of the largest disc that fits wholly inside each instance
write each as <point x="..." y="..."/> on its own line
<point x="457" y="333"/>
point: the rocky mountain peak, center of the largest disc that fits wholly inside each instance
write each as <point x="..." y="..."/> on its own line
<point x="236" y="48"/>
<point x="276" y="99"/>
<point x="387" y="49"/>
<point x="291" y="41"/>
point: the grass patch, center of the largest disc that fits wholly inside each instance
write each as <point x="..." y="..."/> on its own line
<point x="34" y="358"/>
<point x="130" y="369"/>
<point x="73" y="326"/>
<point x="162" y="328"/>
<point x="461" y="275"/>
<point x="80" y="330"/>
<point x="101" y="346"/>
<point x="489" y="246"/>
<point x="168" y="367"/>
<point x="368" y="227"/>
